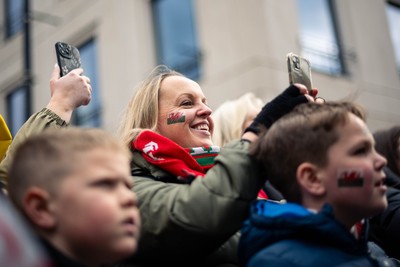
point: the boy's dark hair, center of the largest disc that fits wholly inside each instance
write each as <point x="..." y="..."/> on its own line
<point x="304" y="135"/>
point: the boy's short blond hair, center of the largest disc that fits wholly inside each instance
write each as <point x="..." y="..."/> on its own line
<point x="304" y="135"/>
<point x="43" y="160"/>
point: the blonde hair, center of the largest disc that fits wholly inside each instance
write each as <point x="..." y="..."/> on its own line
<point x="230" y="116"/>
<point x="46" y="158"/>
<point x="142" y="110"/>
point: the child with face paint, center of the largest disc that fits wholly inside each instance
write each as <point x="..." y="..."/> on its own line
<point x="322" y="159"/>
<point x="384" y="228"/>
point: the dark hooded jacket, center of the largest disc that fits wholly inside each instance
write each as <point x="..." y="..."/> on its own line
<point x="384" y="228"/>
<point x="290" y="235"/>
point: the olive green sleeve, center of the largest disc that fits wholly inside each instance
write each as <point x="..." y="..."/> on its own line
<point x="35" y="124"/>
<point x="193" y="220"/>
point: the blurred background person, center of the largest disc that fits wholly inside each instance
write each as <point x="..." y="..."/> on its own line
<point x="384" y="228"/>
<point x="231" y="118"/>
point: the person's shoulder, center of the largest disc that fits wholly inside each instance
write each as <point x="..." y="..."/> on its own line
<point x="142" y="170"/>
<point x="310" y="253"/>
<point x="237" y="144"/>
<point x="58" y="258"/>
<point x="19" y="243"/>
<point x="290" y="252"/>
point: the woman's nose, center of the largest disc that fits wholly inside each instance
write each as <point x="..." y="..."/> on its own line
<point x="204" y="110"/>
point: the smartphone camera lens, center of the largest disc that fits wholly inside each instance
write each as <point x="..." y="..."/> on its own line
<point x="65" y="50"/>
<point x="296" y="63"/>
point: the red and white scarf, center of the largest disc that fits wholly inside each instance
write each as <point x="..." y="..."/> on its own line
<point x="169" y="156"/>
<point x="185" y="164"/>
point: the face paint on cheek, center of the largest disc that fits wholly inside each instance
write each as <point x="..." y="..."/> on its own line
<point x="177" y="117"/>
<point x="350" y="178"/>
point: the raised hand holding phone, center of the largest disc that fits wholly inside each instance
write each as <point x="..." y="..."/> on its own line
<point x="73" y="90"/>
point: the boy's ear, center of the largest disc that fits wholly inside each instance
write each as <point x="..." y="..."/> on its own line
<point x="36" y="205"/>
<point x="308" y="179"/>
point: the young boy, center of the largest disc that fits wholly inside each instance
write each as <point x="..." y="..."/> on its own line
<point x="322" y="159"/>
<point x="74" y="187"/>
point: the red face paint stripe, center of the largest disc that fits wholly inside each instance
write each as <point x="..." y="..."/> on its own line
<point x="351" y="178"/>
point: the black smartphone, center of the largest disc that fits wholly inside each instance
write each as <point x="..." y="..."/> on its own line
<point x="299" y="70"/>
<point x="68" y="57"/>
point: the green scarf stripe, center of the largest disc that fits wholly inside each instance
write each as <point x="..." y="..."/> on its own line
<point x="204" y="156"/>
<point x="205" y="161"/>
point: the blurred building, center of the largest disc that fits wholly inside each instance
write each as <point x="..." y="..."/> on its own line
<point x="228" y="46"/>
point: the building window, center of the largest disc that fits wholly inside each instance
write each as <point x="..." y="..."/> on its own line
<point x="393" y="15"/>
<point x="14" y="10"/>
<point x="90" y="115"/>
<point x="318" y="36"/>
<point x="176" y="36"/>
<point x="18" y="108"/>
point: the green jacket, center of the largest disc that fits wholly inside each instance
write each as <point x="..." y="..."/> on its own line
<point x="189" y="223"/>
<point x="193" y="224"/>
<point x="35" y="124"/>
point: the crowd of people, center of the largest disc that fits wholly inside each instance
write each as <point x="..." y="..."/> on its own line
<point x="166" y="191"/>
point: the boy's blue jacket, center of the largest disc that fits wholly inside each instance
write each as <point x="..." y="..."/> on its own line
<point x="289" y="235"/>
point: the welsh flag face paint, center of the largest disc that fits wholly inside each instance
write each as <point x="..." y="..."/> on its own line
<point x="350" y="178"/>
<point x="177" y="117"/>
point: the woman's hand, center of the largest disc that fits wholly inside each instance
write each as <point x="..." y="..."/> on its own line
<point x="68" y="92"/>
<point x="282" y="104"/>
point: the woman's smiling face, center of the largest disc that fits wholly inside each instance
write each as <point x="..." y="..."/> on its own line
<point x="184" y="116"/>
